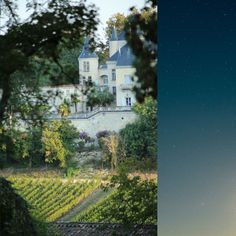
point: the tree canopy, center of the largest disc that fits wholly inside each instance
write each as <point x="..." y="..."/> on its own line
<point x="51" y="26"/>
<point x="118" y="21"/>
<point x="41" y="35"/>
<point x="139" y="139"/>
<point x="98" y="97"/>
<point x="141" y="35"/>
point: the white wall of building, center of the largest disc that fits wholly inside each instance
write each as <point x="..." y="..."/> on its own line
<point x="124" y="90"/>
<point x="65" y="92"/>
<point x="93" y="69"/>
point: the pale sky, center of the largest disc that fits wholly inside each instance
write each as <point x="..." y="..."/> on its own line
<point x="106" y="9"/>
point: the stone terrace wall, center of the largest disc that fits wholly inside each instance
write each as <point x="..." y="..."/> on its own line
<point x="112" y="120"/>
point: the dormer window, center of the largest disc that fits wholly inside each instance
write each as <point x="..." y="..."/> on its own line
<point x="86" y="66"/>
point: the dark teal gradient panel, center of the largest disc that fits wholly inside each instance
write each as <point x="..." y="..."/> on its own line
<point x="197" y="118"/>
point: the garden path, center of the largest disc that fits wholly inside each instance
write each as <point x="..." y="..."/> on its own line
<point x="90" y="200"/>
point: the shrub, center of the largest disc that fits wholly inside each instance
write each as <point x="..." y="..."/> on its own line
<point x="102" y="134"/>
<point x="15" y="219"/>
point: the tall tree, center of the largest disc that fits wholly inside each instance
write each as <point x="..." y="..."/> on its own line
<point x="50" y="26"/>
<point x="52" y="144"/>
<point x="59" y="139"/>
<point x="41" y="35"/>
<point x="141" y="34"/>
<point x="118" y="21"/>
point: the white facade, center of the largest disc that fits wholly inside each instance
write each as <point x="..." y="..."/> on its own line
<point x="88" y="68"/>
<point x="117" y="75"/>
<point x="124" y="84"/>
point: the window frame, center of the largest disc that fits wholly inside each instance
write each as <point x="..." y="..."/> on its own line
<point x="86" y="66"/>
<point x="128" y="101"/>
<point x="105" y="81"/>
<point x="114" y="90"/>
<point x="113" y="74"/>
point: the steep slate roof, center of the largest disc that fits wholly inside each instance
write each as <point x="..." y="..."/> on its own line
<point x="115" y="37"/>
<point x="86" y="51"/>
<point x="125" y="56"/>
<point x="114" y="57"/>
<point x="104" y="229"/>
<point x="121" y="36"/>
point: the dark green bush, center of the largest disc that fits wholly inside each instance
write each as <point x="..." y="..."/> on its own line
<point x="15" y="219"/>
